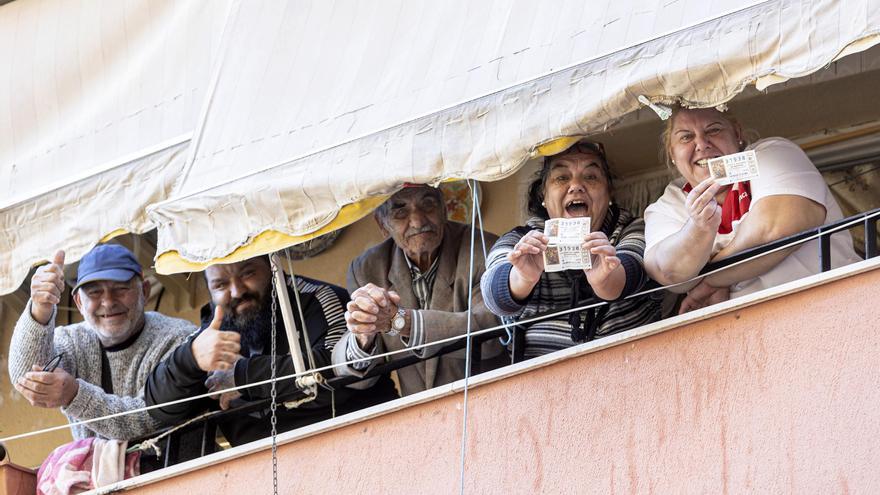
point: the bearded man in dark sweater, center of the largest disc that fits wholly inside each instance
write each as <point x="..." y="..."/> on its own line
<point x="234" y="348"/>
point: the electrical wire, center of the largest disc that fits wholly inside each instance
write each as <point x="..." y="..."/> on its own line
<point x="467" y="356"/>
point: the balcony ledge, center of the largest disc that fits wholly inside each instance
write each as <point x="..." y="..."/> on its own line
<point x="501" y="374"/>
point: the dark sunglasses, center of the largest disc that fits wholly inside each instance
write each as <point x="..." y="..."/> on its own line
<point x="592" y="147"/>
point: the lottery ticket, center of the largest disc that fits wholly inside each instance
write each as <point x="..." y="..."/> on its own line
<point x="730" y="169"/>
<point x="564" y="250"/>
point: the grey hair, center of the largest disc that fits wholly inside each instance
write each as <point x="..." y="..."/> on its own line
<point x="382" y="211"/>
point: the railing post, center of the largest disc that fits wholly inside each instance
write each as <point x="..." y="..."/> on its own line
<point x="518" y="352"/>
<point x="209" y="438"/>
<point x="870" y="237"/>
<point x="824" y="250"/>
<point x="172" y="444"/>
<point x="476" y="355"/>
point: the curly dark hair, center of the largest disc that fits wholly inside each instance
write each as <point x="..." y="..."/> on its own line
<point x="536" y="188"/>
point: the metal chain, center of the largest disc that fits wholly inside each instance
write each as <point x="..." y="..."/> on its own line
<point x="274" y="405"/>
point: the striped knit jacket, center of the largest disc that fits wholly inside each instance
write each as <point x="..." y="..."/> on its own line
<point x="559" y="291"/>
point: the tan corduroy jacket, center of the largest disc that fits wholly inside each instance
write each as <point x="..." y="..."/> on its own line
<point x="385" y="265"/>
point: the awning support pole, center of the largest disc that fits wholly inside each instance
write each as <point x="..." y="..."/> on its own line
<point x="308" y="383"/>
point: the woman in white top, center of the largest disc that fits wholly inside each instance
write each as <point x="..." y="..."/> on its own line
<point x="697" y="220"/>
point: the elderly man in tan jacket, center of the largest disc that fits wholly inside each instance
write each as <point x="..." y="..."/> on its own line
<point x="412" y="290"/>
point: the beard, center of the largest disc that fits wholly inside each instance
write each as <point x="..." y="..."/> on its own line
<point x="254" y="324"/>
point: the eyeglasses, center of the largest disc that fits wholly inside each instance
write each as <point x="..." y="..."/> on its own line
<point x="593" y="147"/>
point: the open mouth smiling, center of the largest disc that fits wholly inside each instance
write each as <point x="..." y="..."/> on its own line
<point x="576" y="208"/>
<point x="704" y="162"/>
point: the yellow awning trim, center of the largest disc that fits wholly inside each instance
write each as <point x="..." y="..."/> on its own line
<point x="111" y="235"/>
<point x="269" y="241"/>
<point x="557" y="145"/>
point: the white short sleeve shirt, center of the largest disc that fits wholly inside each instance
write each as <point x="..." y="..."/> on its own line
<point x="785" y="169"/>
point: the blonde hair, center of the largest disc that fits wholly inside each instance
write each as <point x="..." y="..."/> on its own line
<point x="666" y="135"/>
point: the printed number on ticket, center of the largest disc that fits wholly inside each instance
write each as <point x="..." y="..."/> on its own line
<point x="564" y="248"/>
<point x="730" y="169"/>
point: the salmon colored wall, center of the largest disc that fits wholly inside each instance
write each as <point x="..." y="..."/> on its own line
<point x="780" y="397"/>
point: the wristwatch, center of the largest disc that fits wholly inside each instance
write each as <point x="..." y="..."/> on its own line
<point x="397" y="323"/>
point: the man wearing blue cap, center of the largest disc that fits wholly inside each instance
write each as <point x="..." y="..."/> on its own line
<point x="105" y="360"/>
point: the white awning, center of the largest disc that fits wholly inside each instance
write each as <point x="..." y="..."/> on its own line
<point x="269" y="122"/>
<point x="319" y="105"/>
<point x="101" y="99"/>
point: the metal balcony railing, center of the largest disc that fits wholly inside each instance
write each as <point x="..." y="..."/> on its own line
<point x="869" y="221"/>
<point x="198" y="439"/>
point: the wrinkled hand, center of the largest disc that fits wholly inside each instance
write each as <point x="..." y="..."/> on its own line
<point x="47" y="284"/>
<point x="604" y="258"/>
<point x="226" y="399"/>
<point x="703" y="295"/>
<point x="48" y="389"/>
<point x="370" y="312"/>
<point x="222" y="380"/>
<point x="703" y="210"/>
<point x="527" y="256"/>
<point x="215" y="349"/>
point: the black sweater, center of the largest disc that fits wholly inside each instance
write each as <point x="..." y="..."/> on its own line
<point x="323" y="307"/>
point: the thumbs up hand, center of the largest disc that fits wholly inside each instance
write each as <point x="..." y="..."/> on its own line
<point x="215" y="349"/>
<point x="47" y="284"/>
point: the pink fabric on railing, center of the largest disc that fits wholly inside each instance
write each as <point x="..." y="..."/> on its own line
<point x="84" y="465"/>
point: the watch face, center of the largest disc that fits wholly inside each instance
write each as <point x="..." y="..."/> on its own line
<point x="398" y="322"/>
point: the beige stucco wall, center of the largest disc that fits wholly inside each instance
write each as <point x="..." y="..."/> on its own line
<point x="17" y="415"/>
<point x="779" y="397"/>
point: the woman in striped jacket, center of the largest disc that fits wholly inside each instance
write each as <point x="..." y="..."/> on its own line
<point x="574" y="183"/>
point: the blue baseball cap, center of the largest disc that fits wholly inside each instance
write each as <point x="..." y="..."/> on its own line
<point x="107" y="262"/>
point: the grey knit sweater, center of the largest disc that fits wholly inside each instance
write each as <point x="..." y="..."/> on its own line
<point x="33" y="343"/>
